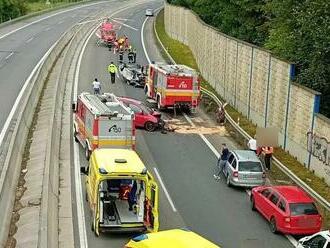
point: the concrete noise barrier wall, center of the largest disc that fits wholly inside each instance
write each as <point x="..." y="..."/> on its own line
<point x="259" y="85"/>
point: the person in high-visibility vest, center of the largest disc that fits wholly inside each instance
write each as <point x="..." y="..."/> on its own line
<point x="112" y="69"/>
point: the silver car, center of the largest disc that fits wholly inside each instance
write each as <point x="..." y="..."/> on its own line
<point x="243" y="168"/>
<point x="149" y="12"/>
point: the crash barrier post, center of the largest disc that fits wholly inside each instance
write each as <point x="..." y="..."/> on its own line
<point x="323" y="202"/>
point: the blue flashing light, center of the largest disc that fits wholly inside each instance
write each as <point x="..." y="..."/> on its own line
<point x="102" y="171"/>
<point x="140" y="237"/>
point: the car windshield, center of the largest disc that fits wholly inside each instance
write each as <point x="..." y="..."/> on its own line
<point x="303" y="208"/>
<point x="146" y="109"/>
<point x="249" y="166"/>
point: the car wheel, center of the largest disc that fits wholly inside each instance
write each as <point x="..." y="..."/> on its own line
<point x="87" y="153"/>
<point x="272" y="225"/>
<point x="253" y="204"/>
<point x="86" y="196"/>
<point x="228" y="181"/>
<point x="150" y="126"/>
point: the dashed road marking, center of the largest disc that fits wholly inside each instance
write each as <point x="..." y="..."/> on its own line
<point x="9" y="55"/>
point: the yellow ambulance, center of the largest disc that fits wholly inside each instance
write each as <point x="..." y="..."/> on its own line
<point x="121" y="192"/>
<point x="176" y="238"/>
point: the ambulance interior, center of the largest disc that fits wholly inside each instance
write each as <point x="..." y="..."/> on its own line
<point x="121" y="202"/>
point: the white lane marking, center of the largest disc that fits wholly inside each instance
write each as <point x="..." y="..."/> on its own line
<point x="80" y="207"/>
<point x="208" y="143"/>
<point x="60" y="22"/>
<point x="18" y="99"/>
<point x="292" y="240"/>
<point x="47" y="17"/>
<point x="47" y="29"/>
<point x="123" y="24"/>
<point x="14" y="108"/>
<point x="142" y="40"/>
<point x="165" y="190"/>
<point x="9" y="55"/>
<point x="122" y="19"/>
<point x="79" y="199"/>
<point x="29" y="40"/>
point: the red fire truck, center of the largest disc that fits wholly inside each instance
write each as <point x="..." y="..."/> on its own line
<point x="101" y="121"/>
<point x="173" y="86"/>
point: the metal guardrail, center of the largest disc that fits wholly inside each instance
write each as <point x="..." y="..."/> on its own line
<point x="323" y="202"/>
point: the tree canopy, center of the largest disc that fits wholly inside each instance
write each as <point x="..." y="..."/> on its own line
<point x="295" y="30"/>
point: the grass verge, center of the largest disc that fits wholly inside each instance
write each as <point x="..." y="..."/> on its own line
<point x="183" y="55"/>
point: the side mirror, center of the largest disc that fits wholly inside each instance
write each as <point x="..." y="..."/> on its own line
<point x="73" y="106"/>
<point x="83" y="170"/>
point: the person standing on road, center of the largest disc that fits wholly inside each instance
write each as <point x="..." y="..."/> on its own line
<point x="268" y="153"/>
<point x="252" y="144"/>
<point x="112" y="69"/>
<point x="96" y="87"/>
<point x="134" y="55"/>
<point x="221" y="161"/>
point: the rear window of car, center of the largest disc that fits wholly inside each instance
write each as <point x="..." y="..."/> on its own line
<point x="303" y="208"/>
<point x="249" y="166"/>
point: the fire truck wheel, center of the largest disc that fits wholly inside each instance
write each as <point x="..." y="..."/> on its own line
<point x="150" y="126"/>
<point x="158" y="104"/>
<point x="87" y="152"/>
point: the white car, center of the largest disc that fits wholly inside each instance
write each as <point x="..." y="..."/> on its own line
<point x="149" y="12"/>
<point x="318" y="240"/>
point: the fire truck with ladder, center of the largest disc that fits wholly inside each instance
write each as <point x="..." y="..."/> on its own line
<point x="173" y="86"/>
<point x="102" y="121"/>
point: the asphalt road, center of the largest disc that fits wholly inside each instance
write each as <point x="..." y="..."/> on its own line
<point x="24" y="43"/>
<point x="185" y="164"/>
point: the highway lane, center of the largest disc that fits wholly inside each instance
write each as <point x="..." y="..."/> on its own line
<point x="24" y="43"/>
<point x="185" y="164"/>
<point x="101" y="57"/>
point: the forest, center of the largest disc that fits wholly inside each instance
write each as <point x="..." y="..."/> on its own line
<point x="294" y="30"/>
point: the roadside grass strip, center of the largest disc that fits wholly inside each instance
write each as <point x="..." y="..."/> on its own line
<point x="183" y="55"/>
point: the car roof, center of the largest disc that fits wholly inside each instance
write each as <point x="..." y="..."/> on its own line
<point x="246" y="155"/>
<point x="293" y="194"/>
<point x="112" y="160"/>
<point x="176" y="238"/>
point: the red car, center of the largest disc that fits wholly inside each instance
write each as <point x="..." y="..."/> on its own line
<point x="145" y="117"/>
<point x="289" y="209"/>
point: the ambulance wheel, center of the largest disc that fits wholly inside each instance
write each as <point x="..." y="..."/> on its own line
<point x="75" y="136"/>
<point x="87" y="152"/>
<point x="149" y="126"/>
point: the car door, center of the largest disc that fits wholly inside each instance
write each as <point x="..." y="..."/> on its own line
<point x="318" y="241"/>
<point x="261" y="199"/>
<point x="281" y="212"/>
<point x="270" y="206"/>
<point x="228" y="169"/>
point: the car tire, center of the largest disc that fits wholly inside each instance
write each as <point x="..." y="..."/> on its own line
<point x="86" y="196"/>
<point x="253" y="204"/>
<point x="150" y="126"/>
<point x="228" y="181"/>
<point x="272" y="225"/>
<point x="87" y="153"/>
